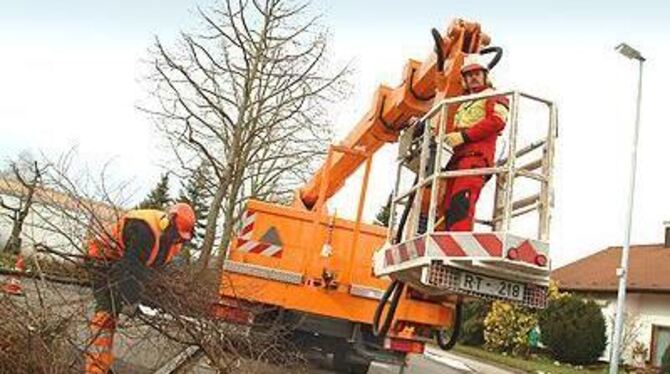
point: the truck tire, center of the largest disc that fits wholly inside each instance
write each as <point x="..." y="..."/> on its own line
<point x="360" y="368"/>
<point x="343" y="363"/>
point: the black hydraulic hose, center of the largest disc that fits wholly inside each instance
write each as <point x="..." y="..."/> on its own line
<point x="405" y="213"/>
<point x="456" y="330"/>
<point x="497" y="50"/>
<point x="395" y="289"/>
<point x="439" y="51"/>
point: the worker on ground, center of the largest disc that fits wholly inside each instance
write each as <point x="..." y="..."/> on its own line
<point x="477" y="125"/>
<point x="140" y="240"/>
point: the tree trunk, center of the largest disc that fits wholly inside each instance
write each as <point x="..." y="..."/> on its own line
<point x="20" y="214"/>
<point x="228" y="226"/>
<point x="210" y="228"/>
<point x="14" y="241"/>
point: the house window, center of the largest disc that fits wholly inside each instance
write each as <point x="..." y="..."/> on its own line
<point x="660" y="340"/>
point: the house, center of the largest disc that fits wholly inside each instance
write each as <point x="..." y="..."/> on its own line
<point x="57" y="219"/>
<point x="647" y="299"/>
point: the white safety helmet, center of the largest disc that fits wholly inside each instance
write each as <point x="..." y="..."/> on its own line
<point x="472" y="63"/>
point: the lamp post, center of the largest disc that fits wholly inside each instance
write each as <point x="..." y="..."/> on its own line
<point x="622" y="271"/>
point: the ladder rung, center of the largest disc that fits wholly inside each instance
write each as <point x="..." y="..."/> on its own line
<point x="526" y="201"/>
<point x="523" y="151"/>
<point x="522" y="203"/>
<point x="515" y="213"/>
<point x="531" y="175"/>
<point x="533" y="165"/>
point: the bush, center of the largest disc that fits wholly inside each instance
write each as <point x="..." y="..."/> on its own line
<point x="472" y="330"/>
<point x="665" y="361"/>
<point x="507" y="327"/>
<point x="574" y="330"/>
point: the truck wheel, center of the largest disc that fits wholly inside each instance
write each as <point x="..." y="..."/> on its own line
<point x="447" y="339"/>
<point x="341" y="360"/>
<point x="343" y="363"/>
<point x="360" y="368"/>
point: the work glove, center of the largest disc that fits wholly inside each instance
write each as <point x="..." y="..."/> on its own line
<point x="454" y="139"/>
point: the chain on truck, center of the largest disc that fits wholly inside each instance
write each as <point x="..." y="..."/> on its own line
<point x="362" y="292"/>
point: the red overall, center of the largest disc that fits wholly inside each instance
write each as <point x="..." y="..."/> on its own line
<point x="480" y="122"/>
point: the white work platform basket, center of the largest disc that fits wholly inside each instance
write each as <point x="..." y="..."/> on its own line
<point x="496" y="264"/>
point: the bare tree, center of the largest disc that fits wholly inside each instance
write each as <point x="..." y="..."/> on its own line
<point x="48" y="333"/>
<point x="20" y="183"/>
<point x="249" y="95"/>
<point x="631" y="331"/>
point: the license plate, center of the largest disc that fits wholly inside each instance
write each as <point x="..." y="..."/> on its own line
<point x="491" y="286"/>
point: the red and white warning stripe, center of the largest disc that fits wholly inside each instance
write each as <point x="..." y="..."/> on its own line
<point x="405" y="251"/>
<point x="248" y="220"/>
<point x="469" y="244"/>
<point x="245" y="244"/>
<point x="466" y="244"/>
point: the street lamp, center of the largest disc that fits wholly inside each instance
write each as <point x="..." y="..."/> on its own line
<point x="622" y="271"/>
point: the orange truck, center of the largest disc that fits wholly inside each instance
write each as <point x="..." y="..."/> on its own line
<point x="322" y="272"/>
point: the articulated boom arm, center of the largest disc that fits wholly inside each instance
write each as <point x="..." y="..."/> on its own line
<point x="423" y="84"/>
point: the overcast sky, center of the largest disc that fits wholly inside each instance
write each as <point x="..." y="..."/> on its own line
<point x="70" y="74"/>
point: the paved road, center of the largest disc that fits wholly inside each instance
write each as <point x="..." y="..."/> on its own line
<point x="433" y="361"/>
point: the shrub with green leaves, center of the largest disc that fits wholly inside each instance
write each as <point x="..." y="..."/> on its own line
<point x="574" y="330"/>
<point x="472" y="330"/>
<point x="507" y="327"/>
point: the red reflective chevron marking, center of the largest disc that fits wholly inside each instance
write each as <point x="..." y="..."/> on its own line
<point x="420" y="246"/>
<point x="491" y="243"/>
<point x="245" y="244"/>
<point x="402" y="251"/>
<point x="246" y="229"/>
<point x="259" y="248"/>
<point x="388" y="255"/>
<point x="448" y="245"/>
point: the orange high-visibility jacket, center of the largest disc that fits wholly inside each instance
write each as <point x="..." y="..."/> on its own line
<point x="139" y="234"/>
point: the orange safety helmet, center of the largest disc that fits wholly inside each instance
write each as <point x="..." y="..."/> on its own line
<point x="184" y="218"/>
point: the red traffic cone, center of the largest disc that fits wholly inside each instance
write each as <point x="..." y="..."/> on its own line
<point x="13" y="285"/>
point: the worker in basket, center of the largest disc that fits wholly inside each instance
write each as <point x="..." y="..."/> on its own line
<point x="477" y="125"/>
<point x="121" y="260"/>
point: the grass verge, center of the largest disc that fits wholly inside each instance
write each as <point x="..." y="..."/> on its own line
<point x="536" y="363"/>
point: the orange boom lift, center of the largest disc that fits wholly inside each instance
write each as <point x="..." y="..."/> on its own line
<point x="303" y="265"/>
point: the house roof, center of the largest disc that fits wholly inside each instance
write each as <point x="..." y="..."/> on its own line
<point x="48" y="196"/>
<point x="649" y="270"/>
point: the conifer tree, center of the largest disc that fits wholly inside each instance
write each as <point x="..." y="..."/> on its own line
<point x="195" y="191"/>
<point x="159" y="197"/>
<point x="384" y="214"/>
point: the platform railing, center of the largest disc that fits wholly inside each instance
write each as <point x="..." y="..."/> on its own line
<point x="506" y="170"/>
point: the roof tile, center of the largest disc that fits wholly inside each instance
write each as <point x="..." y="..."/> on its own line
<point x="649" y="270"/>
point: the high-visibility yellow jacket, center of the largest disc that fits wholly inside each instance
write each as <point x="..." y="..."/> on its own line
<point x="480" y="122"/>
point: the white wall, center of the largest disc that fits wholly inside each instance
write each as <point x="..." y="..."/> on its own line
<point x="646" y="309"/>
<point x="655" y="310"/>
<point x="40" y="227"/>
